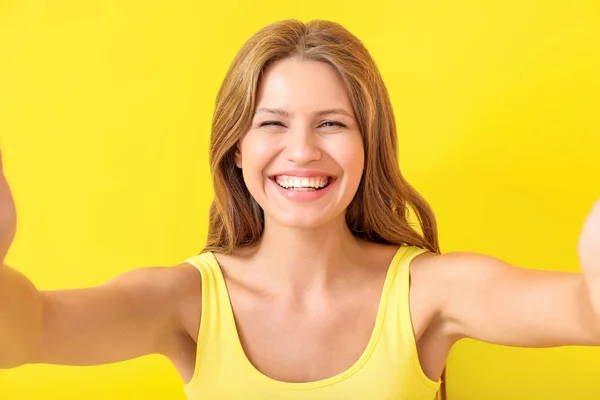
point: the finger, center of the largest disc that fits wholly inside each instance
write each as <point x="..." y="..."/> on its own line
<point x="589" y="242"/>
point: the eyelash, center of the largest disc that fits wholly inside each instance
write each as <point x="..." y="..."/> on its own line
<point x="273" y="123"/>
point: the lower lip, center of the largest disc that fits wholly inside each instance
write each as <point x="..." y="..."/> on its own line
<point x="305" y="195"/>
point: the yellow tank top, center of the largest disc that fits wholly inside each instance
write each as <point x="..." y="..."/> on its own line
<point x="387" y="369"/>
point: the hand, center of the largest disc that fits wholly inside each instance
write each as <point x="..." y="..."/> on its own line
<point x="8" y="216"/>
<point x="589" y="254"/>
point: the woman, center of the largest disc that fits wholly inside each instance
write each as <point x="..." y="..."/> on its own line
<point x="302" y="291"/>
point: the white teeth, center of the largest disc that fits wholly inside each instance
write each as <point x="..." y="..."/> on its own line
<point x="296" y="182"/>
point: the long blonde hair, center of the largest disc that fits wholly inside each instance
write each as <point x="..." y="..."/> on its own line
<point x="381" y="207"/>
<point x="379" y="211"/>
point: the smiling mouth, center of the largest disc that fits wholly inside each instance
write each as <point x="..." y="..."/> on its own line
<point x="302" y="184"/>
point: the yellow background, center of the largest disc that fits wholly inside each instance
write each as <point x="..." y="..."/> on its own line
<point x="105" y="114"/>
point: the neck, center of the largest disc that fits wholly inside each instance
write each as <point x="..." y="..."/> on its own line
<point x="303" y="259"/>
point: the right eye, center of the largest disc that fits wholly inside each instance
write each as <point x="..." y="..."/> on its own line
<point x="271" y="123"/>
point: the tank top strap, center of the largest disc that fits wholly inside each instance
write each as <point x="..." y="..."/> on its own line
<point x="216" y="308"/>
<point x="217" y="327"/>
<point x="398" y="313"/>
<point x="398" y="321"/>
<point x="401" y="285"/>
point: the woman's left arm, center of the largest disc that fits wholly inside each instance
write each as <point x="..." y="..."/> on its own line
<point x="490" y="300"/>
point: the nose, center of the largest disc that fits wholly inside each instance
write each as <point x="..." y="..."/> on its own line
<point x="302" y="145"/>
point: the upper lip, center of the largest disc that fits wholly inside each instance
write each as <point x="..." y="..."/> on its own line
<point x="307" y="174"/>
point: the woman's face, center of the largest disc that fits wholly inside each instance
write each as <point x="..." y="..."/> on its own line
<point x="303" y="157"/>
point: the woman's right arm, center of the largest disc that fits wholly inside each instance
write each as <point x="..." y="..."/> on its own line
<point x="137" y="313"/>
<point x="143" y="311"/>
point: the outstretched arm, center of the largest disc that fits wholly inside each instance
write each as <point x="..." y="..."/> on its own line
<point x="134" y="314"/>
<point x="490" y="300"/>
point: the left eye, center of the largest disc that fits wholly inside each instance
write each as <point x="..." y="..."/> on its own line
<point x="333" y="123"/>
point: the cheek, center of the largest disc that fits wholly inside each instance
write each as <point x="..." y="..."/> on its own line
<point x="256" y="153"/>
<point x="256" y="156"/>
<point x="350" y="156"/>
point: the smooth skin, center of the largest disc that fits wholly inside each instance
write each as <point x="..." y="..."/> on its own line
<point x="305" y="313"/>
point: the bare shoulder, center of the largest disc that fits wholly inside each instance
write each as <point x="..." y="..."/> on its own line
<point x="455" y="267"/>
<point x="179" y="285"/>
<point x="440" y="282"/>
<point x="436" y="275"/>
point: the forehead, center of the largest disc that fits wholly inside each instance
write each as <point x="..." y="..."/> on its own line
<point x="294" y="83"/>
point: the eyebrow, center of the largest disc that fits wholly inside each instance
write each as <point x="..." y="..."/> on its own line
<point x="284" y="113"/>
